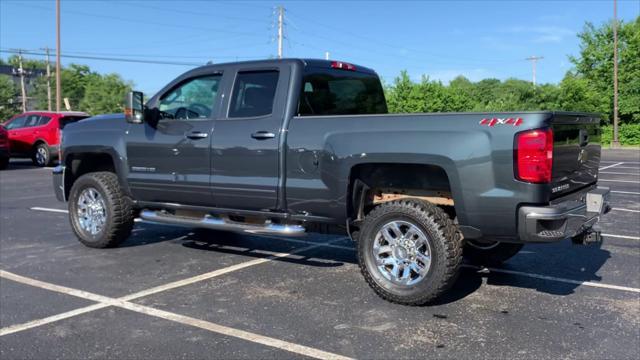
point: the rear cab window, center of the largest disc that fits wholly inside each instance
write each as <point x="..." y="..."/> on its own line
<point x="253" y="94"/>
<point x="327" y="91"/>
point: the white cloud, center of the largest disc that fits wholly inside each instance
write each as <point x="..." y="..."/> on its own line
<point x="544" y="34"/>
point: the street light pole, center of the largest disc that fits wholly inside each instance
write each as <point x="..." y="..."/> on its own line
<point x="616" y="142"/>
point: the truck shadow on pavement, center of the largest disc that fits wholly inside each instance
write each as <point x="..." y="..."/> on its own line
<point x="565" y="265"/>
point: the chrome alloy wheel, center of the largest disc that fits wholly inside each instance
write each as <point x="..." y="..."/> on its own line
<point x="41" y="156"/>
<point x="92" y="211"/>
<point x="402" y="253"/>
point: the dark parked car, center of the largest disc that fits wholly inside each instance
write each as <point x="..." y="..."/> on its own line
<point x="288" y="146"/>
<point x="36" y="134"/>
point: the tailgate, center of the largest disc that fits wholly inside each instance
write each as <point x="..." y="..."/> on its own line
<point x="576" y="152"/>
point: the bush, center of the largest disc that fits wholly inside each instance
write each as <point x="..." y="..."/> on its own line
<point x="628" y="134"/>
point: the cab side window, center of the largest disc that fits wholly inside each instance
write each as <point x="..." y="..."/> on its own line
<point x="16" y="123"/>
<point x="44" y="120"/>
<point x="191" y="100"/>
<point x="32" y="120"/>
<point x="253" y="94"/>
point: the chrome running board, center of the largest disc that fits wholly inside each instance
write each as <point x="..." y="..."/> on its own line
<point x="211" y="222"/>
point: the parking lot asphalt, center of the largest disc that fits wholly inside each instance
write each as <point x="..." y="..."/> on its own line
<point x="171" y="292"/>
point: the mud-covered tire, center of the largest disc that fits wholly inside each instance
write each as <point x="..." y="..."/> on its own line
<point x="118" y="209"/>
<point x="490" y="254"/>
<point x="445" y="243"/>
<point x="41" y="156"/>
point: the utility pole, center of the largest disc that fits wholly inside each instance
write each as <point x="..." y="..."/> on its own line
<point x="534" y="60"/>
<point x="280" y="28"/>
<point x="326" y="55"/>
<point x="48" y="79"/>
<point x="616" y="142"/>
<point x="24" y="90"/>
<point x="58" y="85"/>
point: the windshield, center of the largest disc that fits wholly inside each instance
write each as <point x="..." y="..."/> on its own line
<point x="340" y="92"/>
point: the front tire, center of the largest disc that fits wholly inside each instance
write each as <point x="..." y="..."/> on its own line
<point x="409" y="251"/>
<point x="101" y="215"/>
<point x="4" y="162"/>
<point x="41" y="155"/>
<point x="490" y="253"/>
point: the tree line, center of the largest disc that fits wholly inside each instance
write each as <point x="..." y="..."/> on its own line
<point x="86" y="90"/>
<point x="587" y="87"/>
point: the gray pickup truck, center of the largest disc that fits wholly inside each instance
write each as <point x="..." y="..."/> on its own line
<point x="284" y="147"/>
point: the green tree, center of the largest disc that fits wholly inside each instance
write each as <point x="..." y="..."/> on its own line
<point x="105" y="94"/>
<point x="404" y="96"/>
<point x="577" y="94"/>
<point x="8" y="94"/>
<point x="595" y="64"/>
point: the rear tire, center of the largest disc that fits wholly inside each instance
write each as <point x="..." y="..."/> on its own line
<point x="41" y="156"/>
<point x="490" y="254"/>
<point x="416" y="223"/>
<point x="101" y="215"/>
<point x="4" y="163"/>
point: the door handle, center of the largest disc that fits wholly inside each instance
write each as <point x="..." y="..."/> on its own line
<point x="263" y="135"/>
<point x="197" y="135"/>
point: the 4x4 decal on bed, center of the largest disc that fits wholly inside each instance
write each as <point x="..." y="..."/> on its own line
<point x="498" y="121"/>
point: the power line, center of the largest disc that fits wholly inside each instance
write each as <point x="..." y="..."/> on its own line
<point x="439" y="57"/>
<point x="138" y="21"/>
<point x="117" y="59"/>
<point x="108" y="58"/>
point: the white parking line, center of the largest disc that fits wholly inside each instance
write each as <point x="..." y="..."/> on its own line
<point x="629" y="210"/>
<point x="622" y="236"/>
<point x="37" y="208"/>
<point x="165" y="287"/>
<point x="621" y="181"/>
<point x="610" y="166"/>
<point x="215" y="273"/>
<point x="625" y="192"/>
<point x="628" y="167"/>
<point x="619" y="173"/>
<point x="166" y="315"/>
<point x="626" y="162"/>
<point x="553" y="278"/>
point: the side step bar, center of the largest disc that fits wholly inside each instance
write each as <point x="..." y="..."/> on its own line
<point x="211" y="222"/>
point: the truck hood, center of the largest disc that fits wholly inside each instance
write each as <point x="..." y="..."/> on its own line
<point x="98" y="122"/>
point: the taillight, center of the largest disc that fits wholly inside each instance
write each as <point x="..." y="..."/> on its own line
<point x="343" y="66"/>
<point x="533" y="156"/>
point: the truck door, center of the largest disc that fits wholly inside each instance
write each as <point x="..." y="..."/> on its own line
<point x="245" y="142"/>
<point x="169" y="156"/>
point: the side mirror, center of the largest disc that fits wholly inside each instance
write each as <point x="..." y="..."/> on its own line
<point x="134" y="107"/>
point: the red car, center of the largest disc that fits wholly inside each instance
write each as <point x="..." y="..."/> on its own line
<point x="36" y="134"/>
<point x="4" y="148"/>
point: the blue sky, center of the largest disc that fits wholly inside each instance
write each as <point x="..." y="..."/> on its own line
<point x="441" y="39"/>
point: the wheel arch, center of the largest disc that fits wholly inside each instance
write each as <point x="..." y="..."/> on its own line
<point x="373" y="183"/>
<point x="80" y="163"/>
